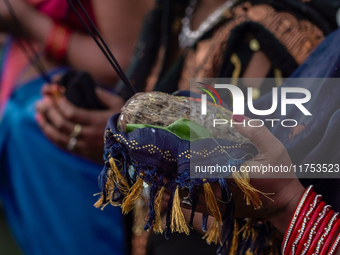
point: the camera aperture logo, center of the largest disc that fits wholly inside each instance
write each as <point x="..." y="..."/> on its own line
<point x="204" y="97"/>
<point x="239" y="104"/>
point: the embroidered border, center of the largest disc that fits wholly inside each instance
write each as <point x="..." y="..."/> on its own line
<point x="299" y="37"/>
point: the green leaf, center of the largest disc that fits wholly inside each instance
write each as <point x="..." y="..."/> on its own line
<point x="182" y="128"/>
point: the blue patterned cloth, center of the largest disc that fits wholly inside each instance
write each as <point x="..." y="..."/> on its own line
<point x="162" y="159"/>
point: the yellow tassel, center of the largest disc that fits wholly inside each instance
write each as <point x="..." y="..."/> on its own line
<point x="133" y="196"/>
<point x="211" y="202"/>
<point x="99" y="202"/>
<point x="234" y="243"/>
<point x="251" y="194"/>
<point x="157" y="227"/>
<point x="247" y="230"/>
<point x="118" y="178"/>
<point x="213" y="233"/>
<point x="178" y="223"/>
<point x="248" y="252"/>
<point x="109" y="187"/>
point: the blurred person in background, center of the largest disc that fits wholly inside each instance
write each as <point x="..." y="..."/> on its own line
<point x="207" y="39"/>
<point x="46" y="192"/>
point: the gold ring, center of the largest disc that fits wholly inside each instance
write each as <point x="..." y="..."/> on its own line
<point x="76" y="131"/>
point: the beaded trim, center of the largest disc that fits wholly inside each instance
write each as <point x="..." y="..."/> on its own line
<point x="296" y="214"/>
<point x="325" y="234"/>
<point x="313" y="230"/>
<point x="335" y="246"/>
<point x="305" y="222"/>
<point x="152" y="149"/>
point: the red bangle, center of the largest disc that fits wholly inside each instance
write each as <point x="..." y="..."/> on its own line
<point x="311" y="229"/>
<point x="331" y="236"/>
<point x="298" y="224"/>
<point x="326" y="235"/>
<point x="320" y="232"/>
<point x="335" y="246"/>
<point x="289" y="230"/>
<point x="57" y="43"/>
<point x="302" y="231"/>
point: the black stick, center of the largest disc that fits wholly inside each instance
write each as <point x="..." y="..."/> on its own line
<point x="35" y="59"/>
<point x="106" y="50"/>
<point x="103" y="42"/>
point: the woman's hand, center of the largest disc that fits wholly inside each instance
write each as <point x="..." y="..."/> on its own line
<point x="61" y="121"/>
<point x="281" y="192"/>
<point x="283" y="189"/>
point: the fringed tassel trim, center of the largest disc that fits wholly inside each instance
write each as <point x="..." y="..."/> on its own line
<point x="235" y="241"/>
<point x="178" y="222"/>
<point x="113" y="178"/>
<point x="107" y="194"/>
<point x="252" y="195"/>
<point x="100" y="202"/>
<point x="213" y="233"/>
<point x="157" y="227"/>
<point x="248" y="230"/>
<point x="248" y="252"/>
<point x="133" y="195"/>
<point x="118" y="178"/>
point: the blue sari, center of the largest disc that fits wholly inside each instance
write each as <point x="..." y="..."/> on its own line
<point x="47" y="193"/>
